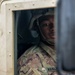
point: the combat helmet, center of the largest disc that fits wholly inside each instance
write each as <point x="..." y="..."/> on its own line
<point x="35" y="24"/>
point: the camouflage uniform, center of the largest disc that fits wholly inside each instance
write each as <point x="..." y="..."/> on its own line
<point x="38" y="60"/>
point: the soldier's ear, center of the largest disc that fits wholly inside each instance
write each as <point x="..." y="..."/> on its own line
<point x="34" y="33"/>
<point x="34" y="30"/>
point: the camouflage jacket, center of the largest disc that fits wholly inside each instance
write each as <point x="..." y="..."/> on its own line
<point x="38" y="60"/>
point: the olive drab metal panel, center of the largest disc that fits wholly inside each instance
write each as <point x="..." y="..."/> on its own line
<point x="66" y="35"/>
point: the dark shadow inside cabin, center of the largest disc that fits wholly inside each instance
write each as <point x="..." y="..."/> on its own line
<point x="24" y="37"/>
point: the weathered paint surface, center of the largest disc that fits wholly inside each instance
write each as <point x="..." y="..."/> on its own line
<point x="7" y="31"/>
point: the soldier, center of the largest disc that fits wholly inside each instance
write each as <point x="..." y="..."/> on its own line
<point x="40" y="59"/>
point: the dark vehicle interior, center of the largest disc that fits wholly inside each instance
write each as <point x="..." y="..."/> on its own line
<point x="24" y="37"/>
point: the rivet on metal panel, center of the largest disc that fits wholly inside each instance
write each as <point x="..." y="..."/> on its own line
<point x="9" y="32"/>
<point x="52" y="2"/>
<point x="10" y="55"/>
<point x="1" y="32"/>
<point x="15" y="6"/>
<point x="33" y="4"/>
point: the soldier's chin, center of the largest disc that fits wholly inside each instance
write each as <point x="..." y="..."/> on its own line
<point x="52" y="37"/>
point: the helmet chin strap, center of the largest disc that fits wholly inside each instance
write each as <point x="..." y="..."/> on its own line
<point x="48" y="42"/>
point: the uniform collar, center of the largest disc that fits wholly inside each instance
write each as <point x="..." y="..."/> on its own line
<point x="49" y="50"/>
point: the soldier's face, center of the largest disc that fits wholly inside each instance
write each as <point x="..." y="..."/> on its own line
<point x="47" y="28"/>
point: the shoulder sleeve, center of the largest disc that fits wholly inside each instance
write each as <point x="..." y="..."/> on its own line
<point x="25" y="60"/>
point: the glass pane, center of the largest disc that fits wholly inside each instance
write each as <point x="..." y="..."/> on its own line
<point x="36" y="54"/>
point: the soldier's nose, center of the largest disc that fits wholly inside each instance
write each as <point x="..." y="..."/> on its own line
<point x="51" y="25"/>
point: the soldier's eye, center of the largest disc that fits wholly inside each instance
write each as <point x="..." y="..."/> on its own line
<point x="44" y="25"/>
